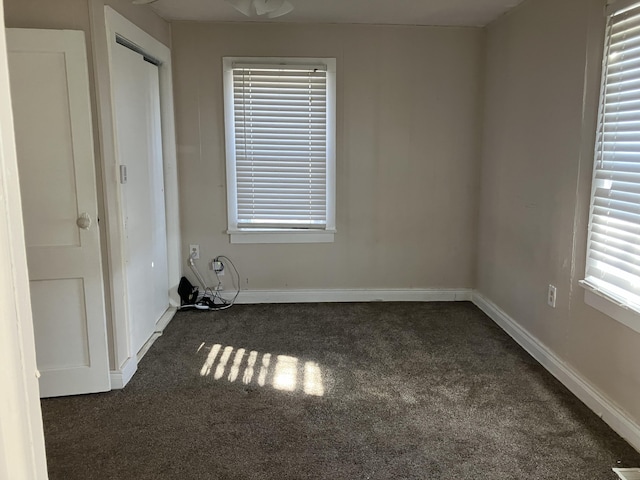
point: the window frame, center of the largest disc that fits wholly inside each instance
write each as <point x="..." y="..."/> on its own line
<point x="611" y="302"/>
<point x="279" y="235"/>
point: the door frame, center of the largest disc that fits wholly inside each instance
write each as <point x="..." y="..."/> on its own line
<point x="106" y="24"/>
<point x="22" y="450"/>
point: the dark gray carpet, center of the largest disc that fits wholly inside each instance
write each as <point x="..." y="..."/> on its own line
<point x="409" y="391"/>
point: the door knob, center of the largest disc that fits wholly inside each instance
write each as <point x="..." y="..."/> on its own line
<point x="84" y="221"/>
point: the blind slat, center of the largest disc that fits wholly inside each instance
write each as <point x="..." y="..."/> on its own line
<point x="613" y="257"/>
<point x="280" y="141"/>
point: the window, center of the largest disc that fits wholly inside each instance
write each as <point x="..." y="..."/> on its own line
<point x="280" y="141"/>
<point x="612" y="274"/>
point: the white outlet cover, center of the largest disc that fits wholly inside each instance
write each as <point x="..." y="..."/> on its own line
<point x="628" y="473"/>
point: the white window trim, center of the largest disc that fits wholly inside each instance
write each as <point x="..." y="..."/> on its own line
<point x="240" y="235"/>
<point x="614" y="308"/>
<point x="611" y="305"/>
<point x="281" y="236"/>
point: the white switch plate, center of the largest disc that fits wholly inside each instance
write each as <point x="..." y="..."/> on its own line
<point x="123" y="174"/>
<point x="551" y="296"/>
<point x="194" y="249"/>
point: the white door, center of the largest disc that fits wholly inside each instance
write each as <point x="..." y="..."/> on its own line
<point x="52" y="115"/>
<point x="139" y="144"/>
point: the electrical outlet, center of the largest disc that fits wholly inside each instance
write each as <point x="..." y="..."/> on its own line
<point x="194" y="249"/>
<point x="217" y="267"/>
<point x="551" y="296"/>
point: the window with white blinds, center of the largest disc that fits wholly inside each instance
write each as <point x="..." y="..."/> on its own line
<point x="613" y="253"/>
<point x="281" y="157"/>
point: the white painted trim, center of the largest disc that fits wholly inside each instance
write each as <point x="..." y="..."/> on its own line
<point x="619" y="6"/>
<point x="119" y="378"/>
<point x="617" y="419"/>
<point x="628" y="473"/>
<point x="164" y="320"/>
<point x="22" y="449"/>
<point x="626" y="314"/>
<point x="351" y="295"/>
<point x="239" y="236"/>
<point x="145" y="348"/>
<point x="105" y="24"/>
<point x="299" y="236"/>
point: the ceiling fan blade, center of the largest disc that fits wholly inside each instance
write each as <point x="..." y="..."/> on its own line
<point x="243" y="6"/>
<point x="283" y="10"/>
<point x="267" y="6"/>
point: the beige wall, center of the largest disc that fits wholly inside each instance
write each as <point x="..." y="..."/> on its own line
<point x="75" y="15"/>
<point x="536" y="171"/>
<point x="408" y="105"/>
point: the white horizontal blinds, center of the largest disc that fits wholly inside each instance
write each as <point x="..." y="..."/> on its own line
<point x="613" y="262"/>
<point x="281" y="145"/>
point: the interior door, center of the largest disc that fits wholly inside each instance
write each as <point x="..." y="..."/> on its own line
<point x="52" y="115"/>
<point x="139" y="143"/>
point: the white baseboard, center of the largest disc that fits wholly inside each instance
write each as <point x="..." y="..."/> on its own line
<point x="119" y="378"/>
<point x="145" y="348"/>
<point x="617" y="419"/>
<point x="364" y="295"/>
<point x="164" y="320"/>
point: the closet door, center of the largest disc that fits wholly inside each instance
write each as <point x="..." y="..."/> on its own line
<point x="139" y="148"/>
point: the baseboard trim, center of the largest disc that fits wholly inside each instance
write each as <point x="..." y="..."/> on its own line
<point x="164" y="320"/>
<point x="145" y="348"/>
<point x="352" y="295"/>
<point x="119" y="378"/>
<point x="617" y="419"/>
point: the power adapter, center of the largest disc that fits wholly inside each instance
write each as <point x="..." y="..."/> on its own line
<point x="217" y="266"/>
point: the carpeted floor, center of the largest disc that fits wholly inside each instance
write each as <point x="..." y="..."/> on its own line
<point x="333" y="391"/>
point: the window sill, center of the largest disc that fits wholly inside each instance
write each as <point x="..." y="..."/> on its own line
<point x="612" y="307"/>
<point x="281" y="236"/>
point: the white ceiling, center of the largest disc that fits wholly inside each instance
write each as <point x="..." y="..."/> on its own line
<point x="390" y="12"/>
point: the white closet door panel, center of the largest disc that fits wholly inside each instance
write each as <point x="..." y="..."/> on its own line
<point x="139" y="140"/>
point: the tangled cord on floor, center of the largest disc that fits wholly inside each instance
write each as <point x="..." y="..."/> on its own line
<point x="210" y="298"/>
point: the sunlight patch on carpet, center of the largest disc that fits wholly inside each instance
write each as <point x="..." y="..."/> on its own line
<point x="282" y="372"/>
